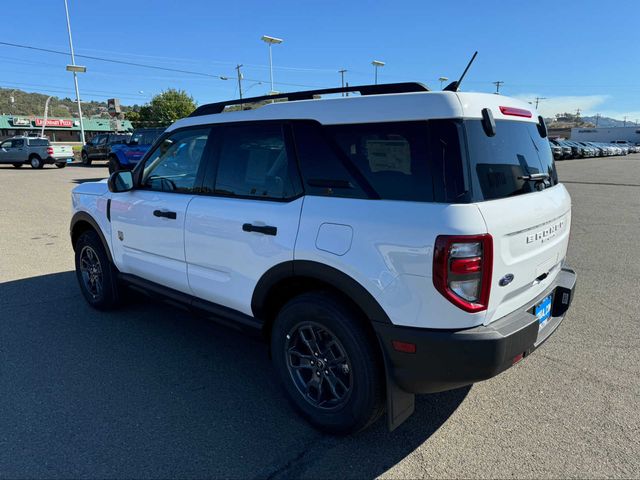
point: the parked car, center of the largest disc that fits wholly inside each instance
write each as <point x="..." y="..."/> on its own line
<point x="567" y="151"/>
<point x="36" y="151"/>
<point x="556" y="150"/>
<point x="99" y="147"/>
<point x="125" y="156"/>
<point x="628" y="145"/>
<point x="328" y="227"/>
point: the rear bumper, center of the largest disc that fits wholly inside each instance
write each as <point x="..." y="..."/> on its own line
<point x="51" y="160"/>
<point x="448" y="359"/>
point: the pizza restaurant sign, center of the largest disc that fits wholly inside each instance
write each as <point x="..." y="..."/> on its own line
<point x="54" y="122"/>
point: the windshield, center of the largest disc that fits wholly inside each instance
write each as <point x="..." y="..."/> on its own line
<point x="500" y="164"/>
<point x="145" y="137"/>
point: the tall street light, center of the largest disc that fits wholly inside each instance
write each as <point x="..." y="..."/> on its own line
<point x="376" y="64"/>
<point x="270" y="41"/>
<point x="75" y="72"/>
<point x="442" y="80"/>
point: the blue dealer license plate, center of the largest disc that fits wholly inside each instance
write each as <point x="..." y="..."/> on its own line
<point x="542" y="311"/>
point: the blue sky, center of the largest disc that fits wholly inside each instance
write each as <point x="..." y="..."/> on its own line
<point x="578" y="54"/>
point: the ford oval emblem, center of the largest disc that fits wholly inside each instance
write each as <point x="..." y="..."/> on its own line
<point x="506" y="280"/>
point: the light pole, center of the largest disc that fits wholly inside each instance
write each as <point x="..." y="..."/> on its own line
<point x="46" y="112"/>
<point x="271" y="41"/>
<point x="376" y="64"/>
<point x="538" y="101"/>
<point x="342" y="72"/>
<point x="75" y="76"/>
<point x="442" y="80"/>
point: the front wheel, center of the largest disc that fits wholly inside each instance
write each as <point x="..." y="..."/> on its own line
<point x="327" y="363"/>
<point x="114" y="165"/>
<point x="86" y="161"/>
<point x="95" y="273"/>
<point x="36" y="162"/>
<point x="18" y="165"/>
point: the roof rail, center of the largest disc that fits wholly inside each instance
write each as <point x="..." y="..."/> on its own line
<point x="380" y="89"/>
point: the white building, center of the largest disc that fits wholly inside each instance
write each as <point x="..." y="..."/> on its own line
<point x="606" y="134"/>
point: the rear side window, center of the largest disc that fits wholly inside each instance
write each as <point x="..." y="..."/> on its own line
<point x="391" y="157"/>
<point x="498" y="163"/>
<point x="254" y="161"/>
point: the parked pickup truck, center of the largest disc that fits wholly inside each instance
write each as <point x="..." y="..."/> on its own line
<point x="36" y="151"/>
<point x="126" y="155"/>
<point x="99" y="147"/>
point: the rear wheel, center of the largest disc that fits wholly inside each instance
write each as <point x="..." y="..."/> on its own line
<point x="86" y="161"/>
<point x="95" y="273"/>
<point x="18" y="165"/>
<point x="36" y="162"/>
<point x="114" y="165"/>
<point x="327" y="363"/>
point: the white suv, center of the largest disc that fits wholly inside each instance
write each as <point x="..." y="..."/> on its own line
<point x="395" y="242"/>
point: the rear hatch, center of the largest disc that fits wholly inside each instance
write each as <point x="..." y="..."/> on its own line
<point x="527" y="212"/>
<point x="62" y="151"/>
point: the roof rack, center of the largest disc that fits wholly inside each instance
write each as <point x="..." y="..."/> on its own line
<point x="405" y="87"/>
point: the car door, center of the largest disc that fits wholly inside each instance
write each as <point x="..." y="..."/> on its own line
<point x="246" y="220"/>
<point x="7" y="154"/>
<point x="147" y="223"/>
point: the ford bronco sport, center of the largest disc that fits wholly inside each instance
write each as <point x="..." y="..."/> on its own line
<point x="395" y="242"/>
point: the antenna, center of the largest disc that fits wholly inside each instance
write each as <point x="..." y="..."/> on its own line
<point x="453" y="86"/>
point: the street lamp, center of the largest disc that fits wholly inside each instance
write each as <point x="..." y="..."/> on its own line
<point x="271" y="41"/>
<point x="73" y="68"/>
<point x="376" y="64"/>
<point x="442" y="80"/>
<point x="46" y="112"/>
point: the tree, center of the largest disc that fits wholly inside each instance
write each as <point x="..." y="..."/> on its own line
<point x="167" y="107"/>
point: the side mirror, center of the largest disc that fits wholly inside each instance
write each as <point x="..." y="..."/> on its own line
<point x="121" y="181"/>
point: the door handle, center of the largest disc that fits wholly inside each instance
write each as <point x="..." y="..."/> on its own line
<point x="165" y="214"/>
<point x="266" y="229"/>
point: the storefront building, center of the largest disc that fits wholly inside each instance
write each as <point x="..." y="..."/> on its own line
<point x="60" y="129"/>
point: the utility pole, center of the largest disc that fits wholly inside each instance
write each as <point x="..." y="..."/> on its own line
<point x="46" y="113"/>
<point x="597" y="118"/>
<point x="238" y="67"/>
<point x="577" y="114"/>
<point x="538" y="100"/>
<point x="498" y="84"/>
<point x="75" y="75"/>
<point x="342" y="72"/>
<point x="625" y="122"/>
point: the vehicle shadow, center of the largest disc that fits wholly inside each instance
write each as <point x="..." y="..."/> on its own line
<point x="84" y="180"/>
<point x="151" y="391"/>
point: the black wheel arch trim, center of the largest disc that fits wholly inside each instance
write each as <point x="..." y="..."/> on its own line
<point x="320" y="272"/>
<point x="85" y="217"/>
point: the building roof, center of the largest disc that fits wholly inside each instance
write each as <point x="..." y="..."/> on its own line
<point x="90" y="124"/>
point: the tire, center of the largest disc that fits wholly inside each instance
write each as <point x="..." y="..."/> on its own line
<point x="336" y="396"/>
<point x="18" y="165"/>
<point x="86" y="161"/>
<point x="36" y="162"/>
<point x="96" y="275"/>
<point x="114" y="165"/>
<point x="61" y="165"/>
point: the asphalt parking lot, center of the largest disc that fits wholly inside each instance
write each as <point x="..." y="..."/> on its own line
<point x="150" y="391"/>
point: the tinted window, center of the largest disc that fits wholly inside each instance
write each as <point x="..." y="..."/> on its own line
<point x="253" y="161"/>
<point x="174" y="164"/>
<point x="39" y="142"/>
<point x="17" y="143"/>
<point x="324" y="173"/>
<point x="391" y="157"/>
<point x="498" y="163"/>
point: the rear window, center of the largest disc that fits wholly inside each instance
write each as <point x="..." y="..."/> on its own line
<point x="498" y="163"/>
<point x="146" y="137"/>
<point x="38" y="142"/>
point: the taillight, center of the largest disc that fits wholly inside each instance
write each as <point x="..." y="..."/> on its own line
<point x="516" y="112"/>
<point x="462" y="267"/>
<point x="49" y="150"/>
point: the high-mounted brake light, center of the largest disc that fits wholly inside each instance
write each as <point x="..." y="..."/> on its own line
<point x="516" y="112"/>
<point x="462" y="268"/>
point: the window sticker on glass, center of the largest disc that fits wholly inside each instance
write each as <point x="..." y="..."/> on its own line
<point x="389" y="156"/>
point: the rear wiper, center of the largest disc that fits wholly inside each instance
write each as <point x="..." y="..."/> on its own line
<point x="535" y="177"/>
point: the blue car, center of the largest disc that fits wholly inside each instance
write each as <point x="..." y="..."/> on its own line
<point x="125" y="156"/>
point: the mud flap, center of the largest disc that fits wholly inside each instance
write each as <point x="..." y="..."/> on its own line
<point x="400" y="404"/>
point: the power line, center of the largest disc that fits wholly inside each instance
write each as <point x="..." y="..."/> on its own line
<point x="141" y="65"/>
